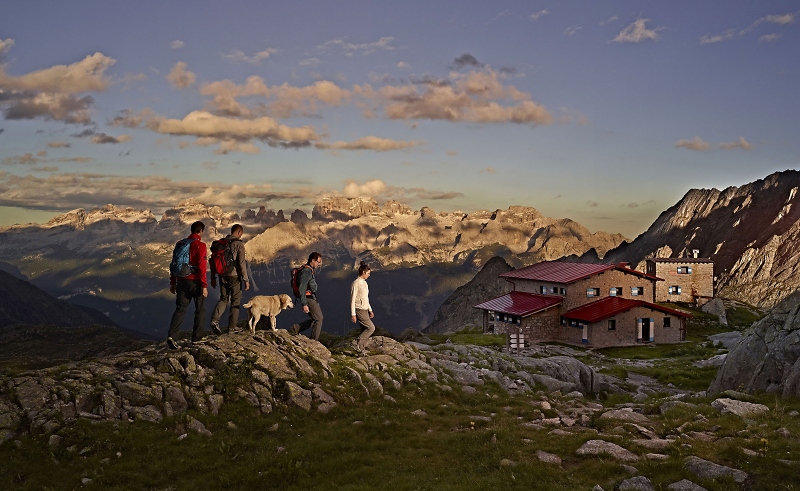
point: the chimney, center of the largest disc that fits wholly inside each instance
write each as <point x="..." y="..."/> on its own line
<point x="695" y="253"/>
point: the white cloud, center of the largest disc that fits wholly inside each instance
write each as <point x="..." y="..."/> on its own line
<point x="537" y="15"/>
<point x="5" y="47"/>
<point x="571" y="30"/>
<point x="238" y="56"/>
<point x="369" y="143"/>
<point x="637" y="32"/>
<point x="403" y="65"/>
<point x="177" y="44"/>
<point x="180" y="77"/>
<point x="725" y="36"/>
<point x="370" y="189"/>
<point x="382" y="44"/>
<point x="309" y="62"/>
<point x="768" y="38"/>
<point x="87" y="75"/>
<point x="609" y="20"/>
<point x="741" y="144"/>
<point x="696" y="143"/>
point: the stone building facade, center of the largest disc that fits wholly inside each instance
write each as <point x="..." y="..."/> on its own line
<point x="686" y="279"/>
<point x="595" y="305"/>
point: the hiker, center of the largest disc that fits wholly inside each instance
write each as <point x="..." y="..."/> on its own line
<point x="228" y="255"/>
<point x="306" y="293"/>
<point x="360" y="310"/>
<point x="187" y="281"/>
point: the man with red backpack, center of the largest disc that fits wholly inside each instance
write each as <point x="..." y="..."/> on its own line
<point x="187" y="281"/>
<point x="305" y="289"/>
<point x="229" y="263"/>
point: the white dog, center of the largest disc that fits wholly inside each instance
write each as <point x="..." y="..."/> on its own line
<point x="267" y="305"/>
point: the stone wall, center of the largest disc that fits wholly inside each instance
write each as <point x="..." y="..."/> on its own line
<point x="700" y="282"/>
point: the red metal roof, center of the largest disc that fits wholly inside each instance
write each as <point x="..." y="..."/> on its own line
<point x="611" y="306"/>
<point x="687" y="260"/>
<point x="520" y="303"/>
<point x="563" y="272"/>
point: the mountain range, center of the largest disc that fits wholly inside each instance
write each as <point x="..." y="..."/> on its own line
<point x="115" y="259"/>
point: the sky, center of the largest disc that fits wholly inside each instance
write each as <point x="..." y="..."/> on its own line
<point x="603" y="112"/>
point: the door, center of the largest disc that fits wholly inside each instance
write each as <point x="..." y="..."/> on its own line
<point x="647" y="329"/>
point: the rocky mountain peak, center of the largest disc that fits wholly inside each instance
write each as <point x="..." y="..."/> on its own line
<point x="340" y="208"/>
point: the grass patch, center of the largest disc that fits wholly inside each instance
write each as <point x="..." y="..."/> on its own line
<point x="470" y="335"/>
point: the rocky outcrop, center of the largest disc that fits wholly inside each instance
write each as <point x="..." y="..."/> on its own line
<point x="341" y="208"/>
<point x="751" y="232"/>
<point x="267" y="370"/>
<point x="768" y="356"/>
<point x="457" y="312"/>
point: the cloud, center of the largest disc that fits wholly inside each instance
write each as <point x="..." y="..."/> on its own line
<point x="349" y="49"/>
<point x="5" y="47"/>
<point x="591" y="204"/>
<point x="79" y="160"/>
<point x="205" y="124"/>
<point x="630" y="205"/>
<point x="725" y="36"/>
<point x="177" y="44"/>
<point x="58" y="144"/>
<point x="768" y="38"/>
<point x="637" y="32"/>
<point x="571" y="30"/>
<point x="403" y="65"/>
<point x="102" y="138"/>
<point x="237" y="56"/>
<point x="369" y="143"/>
<point x="452" y="153"/>
<point x="309" y="62"/>
<point x="180" y="77"/>
<point x="695" y="143"/>
<point x="25" y="159"/>
<point x="472" y="97"/>
<point x="609" y="20"/>
<point x="741" y="144"/>
<point x="52" y="93"/>
<point x="369" y="189"/>
<point x="45" y="168"/>
<point x="537" y="15"/>
<point x="488" y="170"/>
<point x="87" y="75"/>
<point x="466" y="60"/>
<point x="57" y="107"/>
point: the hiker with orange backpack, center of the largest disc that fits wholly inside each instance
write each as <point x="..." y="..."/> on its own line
<point x="304" y="286"/>
<point x="228" y="263"/>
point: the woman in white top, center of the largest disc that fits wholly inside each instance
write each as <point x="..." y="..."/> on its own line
<point x="360" y="310"/>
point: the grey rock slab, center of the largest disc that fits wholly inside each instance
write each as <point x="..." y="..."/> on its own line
<point x="739" y="408"/>
<point x="685" y="485"/>
<point x="548" y="458"/>
<point x="638" y="483"/>
<point x="602" y="447"/>
<point x="709" y="470"/>
<point x="624" y="415"/>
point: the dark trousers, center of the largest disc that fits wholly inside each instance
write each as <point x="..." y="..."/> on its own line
<point x="185" y="292"/>
<point x="230" y="290"/>
<point x="315" y="319"/>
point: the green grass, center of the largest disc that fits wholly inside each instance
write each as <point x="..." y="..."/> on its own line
<point x="378" y="444"/>
<point x="470" y="335"/>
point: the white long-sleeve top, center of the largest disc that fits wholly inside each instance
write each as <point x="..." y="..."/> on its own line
<point x="359" y="296"/>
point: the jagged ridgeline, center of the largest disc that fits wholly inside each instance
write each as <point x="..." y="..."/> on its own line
<point x="116" y="259"/>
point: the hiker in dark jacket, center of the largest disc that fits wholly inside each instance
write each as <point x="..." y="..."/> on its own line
<point x="230" y="285"/>
<point x="188" y="288"/>
<point x="307" y="286"/>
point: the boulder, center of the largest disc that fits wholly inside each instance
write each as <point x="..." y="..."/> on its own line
<point x="709" y="470"/>
<point x="739" y="408"/>
<point x="602" y="447"/>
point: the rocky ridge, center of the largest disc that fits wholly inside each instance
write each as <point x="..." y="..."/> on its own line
<point x="751" y="232"/>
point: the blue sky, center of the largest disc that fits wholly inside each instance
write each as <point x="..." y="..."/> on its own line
<point x="603" y="112"/>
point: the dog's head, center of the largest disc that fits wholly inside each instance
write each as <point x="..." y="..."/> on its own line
<point x="286" y="301"/>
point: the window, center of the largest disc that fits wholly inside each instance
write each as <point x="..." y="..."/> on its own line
<point x="592" y="292"/>
<point x="637" y="291"/>
<point x="563" y="291"/>
<point x="612" y="324"/>
<point x="542" y="289"/>
<point x="666" y="321"/>
<point x="684" y="270"/>
<point x="675" y="290"/>
<point x="615" y="291"/>
<point x="509" y="319"/>
<point x="554" y="290"/>
<point x="564" y="321"/>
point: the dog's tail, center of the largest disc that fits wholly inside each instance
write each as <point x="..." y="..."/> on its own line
<point x="248" y="304"/>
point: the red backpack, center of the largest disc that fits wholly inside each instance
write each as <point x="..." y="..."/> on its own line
<point x="222" y="261"/>
<point x="296" y="279"/>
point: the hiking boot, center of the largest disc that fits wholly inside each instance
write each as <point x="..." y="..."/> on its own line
<point x="172" y="344"/>
<point x="216" y="329"/>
